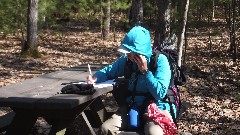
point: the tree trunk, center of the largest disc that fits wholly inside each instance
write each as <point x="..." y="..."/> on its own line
<point x="185" y="49"/>
<point x="233" y="37"/>
<point x="137" y="13"/>
<point x="114" y="22"/>
<point x="163" y="22"/>
<point x="182" y="34"/>
<point x="229" y="23"/>
<point x="209" y="34"/>
<point x="199" y="14"/>
<point x="226" y="7"/>
<point x="30" y="48"/>
<point x="238" y="7"/>
<point x="213" y="9"/>
<point x="106" y="19"/>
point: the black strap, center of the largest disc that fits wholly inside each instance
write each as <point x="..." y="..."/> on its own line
<point x="128" y="69"/>
<point x="181" y="77"/>
<point x="135" y="87"/>
<point x="172" y="113"/>
<point x="147" y="94"/>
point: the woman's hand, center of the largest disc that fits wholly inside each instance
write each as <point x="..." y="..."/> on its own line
<point x="91" y="79"/>
<point x="140" y="60"/>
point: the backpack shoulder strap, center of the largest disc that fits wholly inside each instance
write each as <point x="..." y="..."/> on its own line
<point x="153" y="61"/>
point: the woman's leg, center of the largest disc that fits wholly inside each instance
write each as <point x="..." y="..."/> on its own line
<point x="115" y="123"/>
<point x="151" y="128"/>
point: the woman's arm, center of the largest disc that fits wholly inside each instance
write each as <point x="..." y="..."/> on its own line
<point x="111" y="71"/>
<point x="158" y="83"/>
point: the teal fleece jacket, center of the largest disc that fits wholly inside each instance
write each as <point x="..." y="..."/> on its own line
<point x="138" y="41"/>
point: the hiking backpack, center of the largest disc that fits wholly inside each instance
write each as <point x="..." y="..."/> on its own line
<point x="177" y="79"/>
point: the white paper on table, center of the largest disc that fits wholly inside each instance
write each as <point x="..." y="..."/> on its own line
<point x="104" y="84"/>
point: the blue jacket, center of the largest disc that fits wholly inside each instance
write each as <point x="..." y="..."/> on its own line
<point x="138" y="41"/>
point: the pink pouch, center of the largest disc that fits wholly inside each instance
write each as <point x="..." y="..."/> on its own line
<point x="158" y="116"/>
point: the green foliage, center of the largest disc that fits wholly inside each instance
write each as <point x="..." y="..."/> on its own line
<point x="205" y="6"/>
<point x="149" y="8"/>
<point x="238" y="96"/>
<point x="46" y="9"/>
<point x="118" y="5"/>
<point x="223" y="1"/>
<point x="13" y="13"/>
<point x="88" y="8"/>
<point x="13" y="16"/>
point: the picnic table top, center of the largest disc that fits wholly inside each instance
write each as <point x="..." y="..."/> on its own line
<point x="43" y="92"/>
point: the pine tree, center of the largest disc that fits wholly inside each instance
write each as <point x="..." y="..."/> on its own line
<point x="162" y="31"/>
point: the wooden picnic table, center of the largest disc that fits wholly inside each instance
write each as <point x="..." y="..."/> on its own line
<point x="39" y="97"/>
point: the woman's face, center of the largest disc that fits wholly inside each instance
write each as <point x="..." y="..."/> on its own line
<point x="133" y="57"/>
<point x="139" y="59"/>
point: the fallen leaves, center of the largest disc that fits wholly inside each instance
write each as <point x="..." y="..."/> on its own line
<point x="212" y="78"/>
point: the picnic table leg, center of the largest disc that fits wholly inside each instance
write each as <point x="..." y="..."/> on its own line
<point x="97" y="113"/>
<point x="22" y="123"/>
<point x="88" y="124"/>
<point x="59" y="126"/>
<point x="64" y="118"/>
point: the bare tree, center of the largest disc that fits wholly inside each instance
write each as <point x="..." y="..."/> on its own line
<point x="182" y="33"/>
<point x="213" y="9"/>
<point x="30" y="48"/>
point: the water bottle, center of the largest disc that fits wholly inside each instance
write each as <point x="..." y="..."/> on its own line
<point x="133" y="115"/>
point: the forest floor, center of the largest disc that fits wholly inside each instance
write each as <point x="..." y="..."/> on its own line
<point x="213" y="79"/>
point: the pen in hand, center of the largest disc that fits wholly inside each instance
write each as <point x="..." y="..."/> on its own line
<point x="89" y="69"/>
<point x="91" y="79"/>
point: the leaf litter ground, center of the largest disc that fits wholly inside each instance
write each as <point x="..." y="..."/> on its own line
<point x="212" y="87"/>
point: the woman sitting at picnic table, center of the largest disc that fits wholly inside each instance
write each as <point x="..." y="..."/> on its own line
<point x="136" y="49"/>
